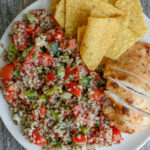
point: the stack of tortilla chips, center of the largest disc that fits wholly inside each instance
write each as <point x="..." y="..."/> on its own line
<point x="105" y="28"/>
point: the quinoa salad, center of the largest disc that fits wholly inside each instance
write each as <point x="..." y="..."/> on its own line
<point x="50" y="91"/>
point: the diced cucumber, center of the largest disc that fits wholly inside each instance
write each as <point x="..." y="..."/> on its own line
<point x="30" y="18"/>
<point x="13" y="49"/>
<point x="54" y="90"/>
<point x="52" y="113"/>
<point x="42" y="97"/>
<point x="41" y="67"/>
<point x="51" y="92"/>
<point x="31" y="93"/>
<point x="65" y="58"/>
<point x="84" y="130"/>
<point x="84" y="81"/>
<point x="57" y="116"/>
<point x="58" y="146"/>
<point x="16" y="73"/>
<point x="61" y="71"/>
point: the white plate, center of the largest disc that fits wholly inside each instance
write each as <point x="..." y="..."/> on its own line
<point x="130" y="142"/>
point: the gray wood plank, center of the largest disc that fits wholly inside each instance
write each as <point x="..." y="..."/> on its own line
<point x="8" y="10"/>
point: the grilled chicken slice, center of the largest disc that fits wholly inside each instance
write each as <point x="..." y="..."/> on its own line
<point x="129" y="81"/>
<point x="117" y="121"/>
<point x="131" y="97"/>
<point x="134" y="62"/>
<point x="128" y="89"/>
<point x="123" y="116"/>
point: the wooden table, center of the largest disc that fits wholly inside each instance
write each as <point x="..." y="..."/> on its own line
<point x="8" y="10"/>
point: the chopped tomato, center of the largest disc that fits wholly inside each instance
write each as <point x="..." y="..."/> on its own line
<point x="80" y="71"/>
<point x="29" y="29"/>
<point x="45" y="59"/>
<point x="23" y="102"/>
<point x="74" y="89"/>
<point x="16" y="63"/>
<point x="6" y="73"/>
<point x="97" y="94"/>
<point x="58" y="36"/>
<point x="116" y="137"/>
<point x="39" y="139"/>
<point x="80" y="140"/>
<point x="42" y="111"/>
<point x="49" y="37"/>
<point x="69" y="71"/>
<point x="53" y="13"/>
<point x="35" y="49"/>
<point x="71" y="44"/>
<point x="51" y="77"/>
<point x="77" y="110"/>
<point x="29" y="59"/>
<point x="37" y="31"/>
<point x="92" y="142"/>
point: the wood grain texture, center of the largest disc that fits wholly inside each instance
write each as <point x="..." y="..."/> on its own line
<point x="8" y="10"/>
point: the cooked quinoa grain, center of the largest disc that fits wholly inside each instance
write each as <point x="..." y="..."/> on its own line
<point x="51" y="93"/>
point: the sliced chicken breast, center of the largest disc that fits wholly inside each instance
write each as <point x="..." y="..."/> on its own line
<point x="128" y="112"/>
<point x="130" y="97"/>
<point x="117" y="121"/>
<point x="129" y="81"/>
<point x="134" y="62"/>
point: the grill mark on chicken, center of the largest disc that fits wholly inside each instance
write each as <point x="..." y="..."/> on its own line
<point x="125" y="110"/>
<point x="121" y="83"/>
<point x="114" y="85"/>
<point x="129" y="101"/>
<point x="148" y="51"/>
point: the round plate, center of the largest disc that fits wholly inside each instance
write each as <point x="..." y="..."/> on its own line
<point x="130" y="142"/>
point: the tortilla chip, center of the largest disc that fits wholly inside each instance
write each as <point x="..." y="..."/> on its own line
<point x="81" y="31"/>
<point x="112" y="2"/>
<point x="136" y="18"/>
<point x="60" y="13"/>
<point x="124" y="39"/>
<point x="53" y="4"/>
<point x="97" y="39"/>
<point x="124" y="20"/>
<point x="106" y="10"/>
<point x="78" y="11"/>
